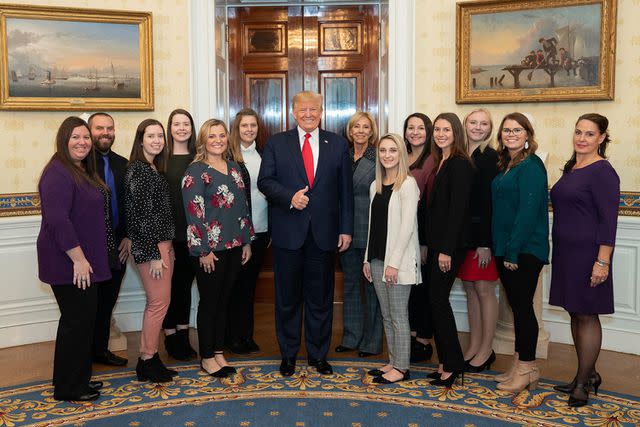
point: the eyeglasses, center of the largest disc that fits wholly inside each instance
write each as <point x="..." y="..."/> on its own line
<point x="515" y="131"/>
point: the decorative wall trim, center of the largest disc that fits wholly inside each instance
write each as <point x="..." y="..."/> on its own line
<point x="21" y="204"/>
<point x="29" y="314"/>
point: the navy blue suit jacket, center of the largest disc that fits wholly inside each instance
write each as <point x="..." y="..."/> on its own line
<point x="330" y="209"/>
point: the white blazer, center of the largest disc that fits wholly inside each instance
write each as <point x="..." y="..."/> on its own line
<point x="403" y="249"/>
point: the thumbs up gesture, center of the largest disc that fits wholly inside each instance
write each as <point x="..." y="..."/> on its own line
<point x="300" y="200"/>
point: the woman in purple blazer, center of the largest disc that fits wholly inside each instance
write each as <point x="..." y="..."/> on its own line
<point x="73" y="254"/>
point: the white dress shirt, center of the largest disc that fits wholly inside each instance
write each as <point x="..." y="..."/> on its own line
<point x="259" y="205"/>
<point x="313" y="141"/>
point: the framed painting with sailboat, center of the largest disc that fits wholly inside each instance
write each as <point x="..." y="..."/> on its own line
<point x="535" y="50"/>
<point x="54" y="58"/>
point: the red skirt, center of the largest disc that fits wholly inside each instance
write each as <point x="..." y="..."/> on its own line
<point x="470" y="272"/>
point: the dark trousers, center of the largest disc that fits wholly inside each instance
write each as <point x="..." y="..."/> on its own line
<point x="184" y="271"/>
<point x="420" y="307"/>
<point x="215" y="289"/>
<point x="240" y="312"/>
<point x="107" y="296"/>
<point x="445" y="331"/>
<point x="304" y="276"/>
<point x="520" y="287"/>
<point x="74" y="339"/>
<point x="361" y="316"/>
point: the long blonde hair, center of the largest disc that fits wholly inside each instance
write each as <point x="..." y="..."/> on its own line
<point x="403" y="163"/>
<point x="489" y="139"/>
<point x="203" y="135"/>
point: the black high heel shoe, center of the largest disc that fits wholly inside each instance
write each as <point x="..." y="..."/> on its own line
<point x="433" y="375"/>
<point x="486" y="365"/>
<point x="449" y="381"/>
<point x="577" y="401"/>
<point x="594" y="381"/>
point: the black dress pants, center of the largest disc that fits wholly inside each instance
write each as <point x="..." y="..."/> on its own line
<point x="304" y="277"/>
<point x="215" y="289"/>
<point x="420" y="307"/>
<point x="74" y="339"/>
<point x="107" y="296"/>
<point x="240" y="312"/>
<point x="184" y="271"/>
<point x="445" y="331"/>
<point x="520" y="287"/>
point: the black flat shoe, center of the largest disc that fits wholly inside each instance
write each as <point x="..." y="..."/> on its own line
<point x="229" y="370"/>
<point x="376" y="372"/>
<point x="287" y="366"/>
<point x="95" y="385"/>
<point x="383" y="380"/>
<point x="343" y="349"/>
<point x="87" y="397"/>
<point x="251" y="345"/>
<point x="109" y="359"/>
<point x="238" y="347"/>
<point x="486" y="365"/>
<point x="220" y="373"/>
<point x="366" y="354"/>
<point x="449" y="381"/>
<point x="322" y="366"/>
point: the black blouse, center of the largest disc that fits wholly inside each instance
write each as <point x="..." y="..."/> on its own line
<point x="148" y="208"/>
<point x="378" y="227"/>
<point x="176" y="167"/>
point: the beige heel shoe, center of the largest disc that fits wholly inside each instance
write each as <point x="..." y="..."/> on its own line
<point x="506" y="376"/>
<point x="526" y="375"/>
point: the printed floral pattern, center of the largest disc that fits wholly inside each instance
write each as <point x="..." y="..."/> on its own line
<point x="216" y="208"/>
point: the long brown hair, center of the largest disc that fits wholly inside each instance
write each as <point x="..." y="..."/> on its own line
<point x="137" y="153"/>
<point x="88" y="174"/>
<point x="203" y="135"/>
<point x="459" y="147"/>
<point x="504" y="158"/>
<point x="234" y="136"/>
<point x="191" y="144"/>
<point x="603" y="126"/>
<point x="426" y="151"/>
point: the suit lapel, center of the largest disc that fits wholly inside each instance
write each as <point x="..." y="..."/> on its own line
<point x="296" y="154"/>
<point x="324" y="145"/>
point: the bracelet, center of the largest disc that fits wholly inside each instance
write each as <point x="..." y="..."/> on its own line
<point x="602" y="263"/>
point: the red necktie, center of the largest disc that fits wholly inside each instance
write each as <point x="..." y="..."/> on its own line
<point x="307" y="158"/>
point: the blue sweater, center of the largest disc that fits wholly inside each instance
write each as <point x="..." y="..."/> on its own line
<point x="520" y="219"/>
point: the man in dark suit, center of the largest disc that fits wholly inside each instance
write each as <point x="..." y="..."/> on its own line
<point x="307" y="179"/>
<point x="111" y="168"/>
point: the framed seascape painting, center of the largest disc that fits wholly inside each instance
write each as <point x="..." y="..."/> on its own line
<point x="54" y="58"/>
<point x="535" y="50"/>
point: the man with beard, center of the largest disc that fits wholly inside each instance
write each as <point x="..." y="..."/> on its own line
<point x="111" y="168"/>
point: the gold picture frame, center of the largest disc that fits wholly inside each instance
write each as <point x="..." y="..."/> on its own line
<point x="499" y="43"/>
<point x="58" y="58"/>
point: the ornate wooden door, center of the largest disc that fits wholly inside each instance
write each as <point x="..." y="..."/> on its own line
<point x="275" y="52"/>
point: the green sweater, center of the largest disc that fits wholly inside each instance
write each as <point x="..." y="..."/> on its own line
<point x="520" y="220"/>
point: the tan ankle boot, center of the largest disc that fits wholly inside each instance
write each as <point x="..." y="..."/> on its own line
<point x="506" y="376"/>
<point x="526" y="375"/>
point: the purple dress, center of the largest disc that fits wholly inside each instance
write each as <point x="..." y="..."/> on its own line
<point x="585" y="216"/>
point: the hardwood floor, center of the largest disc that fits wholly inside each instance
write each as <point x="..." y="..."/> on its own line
<point x="620" y="372"/>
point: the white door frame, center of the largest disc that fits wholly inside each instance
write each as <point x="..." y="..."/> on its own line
<point x="204" y="90"/>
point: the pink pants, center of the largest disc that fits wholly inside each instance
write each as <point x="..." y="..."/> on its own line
<point x="158" y="297"/>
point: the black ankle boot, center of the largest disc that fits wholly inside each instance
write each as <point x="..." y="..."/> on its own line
<point x="149" y="370"/>
<point x="420" y="352"/>
<point x="183" y="342"/>
<point x="157" y="362"/>
<point x="173" y="345"/>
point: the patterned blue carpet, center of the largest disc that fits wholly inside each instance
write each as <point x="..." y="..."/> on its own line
<point x="259" y="396"/>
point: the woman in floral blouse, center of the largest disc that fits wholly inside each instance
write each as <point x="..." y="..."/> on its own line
<point x="219" y="233"/>
<point x="150" y="227"/>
